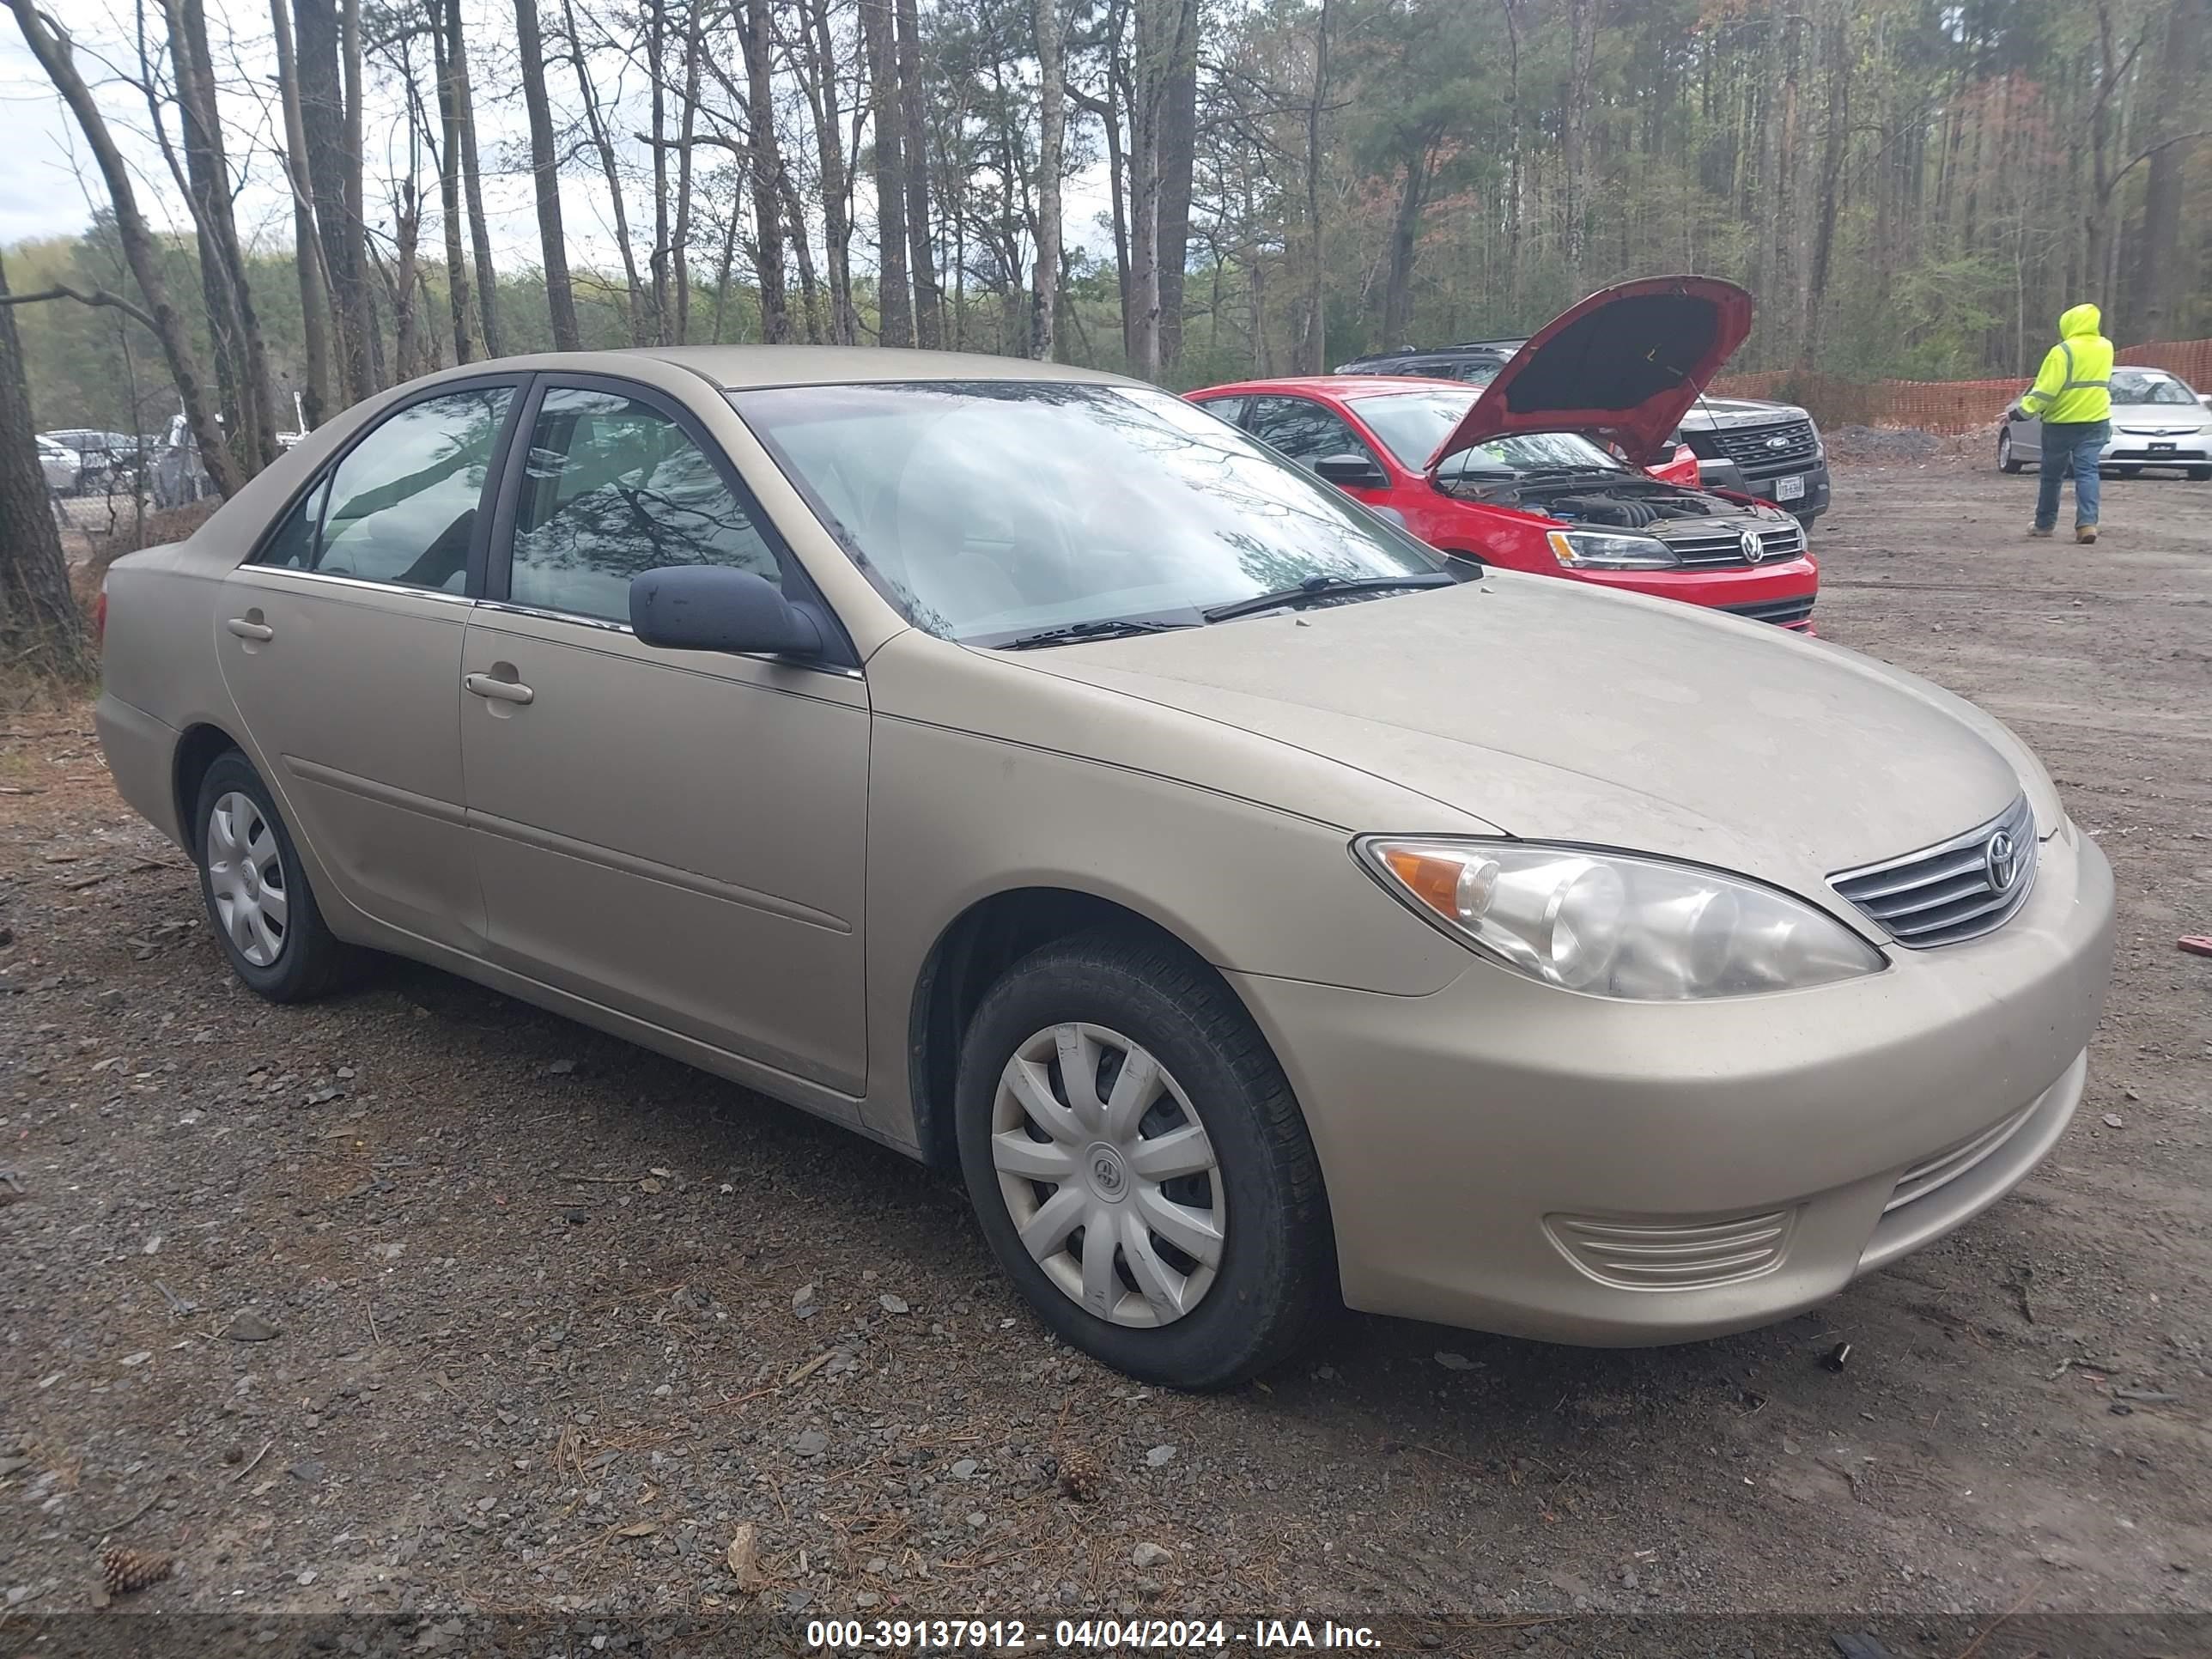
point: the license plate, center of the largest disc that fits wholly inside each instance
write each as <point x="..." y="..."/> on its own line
<point x="1789" y="490"/>
<point x="2162" y="449"/>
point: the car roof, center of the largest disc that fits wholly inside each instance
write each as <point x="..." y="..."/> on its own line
<point x="733" y="368"/>
<point x="1343" y="386"/>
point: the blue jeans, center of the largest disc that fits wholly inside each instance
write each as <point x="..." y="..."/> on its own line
<point x="2071" y="446"/>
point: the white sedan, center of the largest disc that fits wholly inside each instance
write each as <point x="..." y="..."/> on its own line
<point x="2158" y="421"/>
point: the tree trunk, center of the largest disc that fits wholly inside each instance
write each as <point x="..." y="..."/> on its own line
<point x="449" y="181"/>
<point x="1574" y="117"/>
<point x="1178" y="161"/>
<point x="2160" y="279"/>
<point x="140" y="247"/>
<point x="315" y="404"/>
<point x="1834" y="150"/>
<point x="372" y="376"/>
<point x="322" y="107"/>
<point x="894" y="292"/>
<point x="457" y="54"/>
<point x="1405" y="240"/>
<point x="1316" y="331"/>
<point x="545" y="177"/>
<point x="679" y="253"/>
<point x="820" y="48"/>
<point x="230" y="307"/>
<point x="928" y="298"/>
<point x="41" y="626"/>
<point x="1052" y="101"/>
<point x="766" y="169"/>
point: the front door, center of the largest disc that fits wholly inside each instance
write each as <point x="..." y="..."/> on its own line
<point x="677" y="835"/>
<point x="340" y="642"/>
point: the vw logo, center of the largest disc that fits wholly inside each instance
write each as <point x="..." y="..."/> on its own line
<point x="1753" y="549"/>
<point x="1778" y="441"/>
<point x="2001" y="862"/>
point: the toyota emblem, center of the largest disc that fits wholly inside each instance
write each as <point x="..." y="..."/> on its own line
<point x="2000" y="861"/>
<point x="1753" y="549"/>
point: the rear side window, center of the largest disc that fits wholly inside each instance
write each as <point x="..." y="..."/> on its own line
<point x="401" y="507"/>
<point x="613" y="488"/>
<point x="1303" y="430"/>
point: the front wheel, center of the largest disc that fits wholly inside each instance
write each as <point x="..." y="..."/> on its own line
<point x="2007" y="461"/>
<point x="258" y="899"/>
<point x="1140" y="1166"/>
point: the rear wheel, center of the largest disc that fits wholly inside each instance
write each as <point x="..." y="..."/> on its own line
<point x="2007" y="461"/>
<point x="1139" y="1164"/>
<point x="258" y="899"/>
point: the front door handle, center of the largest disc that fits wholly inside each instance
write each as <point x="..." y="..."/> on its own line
<point x="499" y="690"/>
<point x="247" y="629"/>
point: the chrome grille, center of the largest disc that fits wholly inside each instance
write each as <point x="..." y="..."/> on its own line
<point x="1783" y="613"/>
<point x="1753" y="450"/>
<point x="1949" y="892"/>
<point x="1709" y="549"/>
<point x="1672" y="1255"/>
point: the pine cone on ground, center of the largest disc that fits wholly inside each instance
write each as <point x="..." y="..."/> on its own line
<point x="1080" y="1477"/>
<point x="126" y="1571"/>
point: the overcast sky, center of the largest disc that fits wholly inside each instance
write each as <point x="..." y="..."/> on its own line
<point x="41" y="195"/>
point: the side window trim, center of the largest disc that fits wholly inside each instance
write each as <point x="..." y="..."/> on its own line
<point x="839" y="655"/>
<point x="480" y="535"/>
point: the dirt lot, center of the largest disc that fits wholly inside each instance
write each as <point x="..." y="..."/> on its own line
<point x="553" y="1317"/>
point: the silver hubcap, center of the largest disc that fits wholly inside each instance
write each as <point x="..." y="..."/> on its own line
<point x="1108" y="1176"/>
<point x="247" y="876"/>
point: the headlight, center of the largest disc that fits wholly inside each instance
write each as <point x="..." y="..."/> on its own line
<point x="1598" y="549"/>
<point x="1614" y="925"/>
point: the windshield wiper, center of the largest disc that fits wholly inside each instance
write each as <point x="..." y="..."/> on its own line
<point x="1320" y="587"/>
<point x="1109" y="627"/>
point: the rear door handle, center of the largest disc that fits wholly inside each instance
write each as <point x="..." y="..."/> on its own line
<point x="250" y="630"/>
<point x="499" y="690"/>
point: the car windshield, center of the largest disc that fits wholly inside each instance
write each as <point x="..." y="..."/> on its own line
<point x="1412" y="424"/>
<point x="2149" y="389"/>
<point x="990" y="510"/>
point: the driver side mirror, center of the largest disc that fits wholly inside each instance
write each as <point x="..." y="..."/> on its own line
<point x="708" y="607"/>
<point x="1349" y="471"/>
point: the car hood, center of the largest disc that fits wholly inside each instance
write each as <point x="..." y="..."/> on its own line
<point x="1627" y="363"/>
<point x="1561" y="712"/>
<point x="1711" y="413"/>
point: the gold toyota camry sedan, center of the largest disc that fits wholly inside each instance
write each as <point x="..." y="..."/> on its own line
<point x="1025" y="769"/>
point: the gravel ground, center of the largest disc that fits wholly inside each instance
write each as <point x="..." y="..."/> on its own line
<point x="421" y="1301"/>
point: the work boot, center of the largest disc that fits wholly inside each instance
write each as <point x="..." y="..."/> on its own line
<point x="2084" y="532"/>
<point x="2041" y="531"/>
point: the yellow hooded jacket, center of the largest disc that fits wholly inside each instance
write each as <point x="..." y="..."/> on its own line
<point x="2073" y="385"/>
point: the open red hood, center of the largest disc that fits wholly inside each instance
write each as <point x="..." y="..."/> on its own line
<point x="1624" y="364"/>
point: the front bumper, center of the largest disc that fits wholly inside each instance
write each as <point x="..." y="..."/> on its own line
<point x="2130" y="449"/>
<point x="1782" y="592"/>
<point x="1724" y="474"/>
<point x="1513" y="1159"/>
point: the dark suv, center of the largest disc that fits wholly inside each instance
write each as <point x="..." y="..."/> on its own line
<point x="1771" y="451"/>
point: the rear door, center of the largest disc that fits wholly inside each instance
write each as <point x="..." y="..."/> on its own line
<point x="340" y="641"/>
<point x="677" y="835"/>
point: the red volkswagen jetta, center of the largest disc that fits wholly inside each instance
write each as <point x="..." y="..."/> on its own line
<point x="1541" y="470"/>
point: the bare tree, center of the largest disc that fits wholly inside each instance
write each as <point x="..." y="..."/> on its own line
<point x="449" y="181"/>
<point x="316" y="405"/>
<point x="546" y="176"/>
<point x="1052" y="100"/>
<point x="457" y="62"/>
<point x="815" y="63"/>
<point x="595" y="125"/>
<point x="333" y="166"/>
<point x="765" y="165"/>
<point x="50" y="46"/>
<point x="928" y="298"/>
<point x="894" y="292"/>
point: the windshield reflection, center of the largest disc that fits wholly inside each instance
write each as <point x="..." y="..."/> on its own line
<point x="990" y="510"/>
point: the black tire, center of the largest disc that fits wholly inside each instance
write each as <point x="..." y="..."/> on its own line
<point x="310" y="961"/>
<point x="2007" y="460"/>
<point x="1277" y="1280"/>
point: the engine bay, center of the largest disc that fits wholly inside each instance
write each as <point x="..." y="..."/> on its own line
<point x="1628" y="503"/>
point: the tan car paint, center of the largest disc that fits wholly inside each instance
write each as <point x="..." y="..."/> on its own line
<point x="1212" y="780"/>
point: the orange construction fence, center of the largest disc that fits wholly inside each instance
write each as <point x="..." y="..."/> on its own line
<point x="1936" y="405"/>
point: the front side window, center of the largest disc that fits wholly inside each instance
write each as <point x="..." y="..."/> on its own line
<point x="986" y="510"/>
<point x="613" y="488"/>
<point x="1303" y="430"/>
<point x="402" y="505"/>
